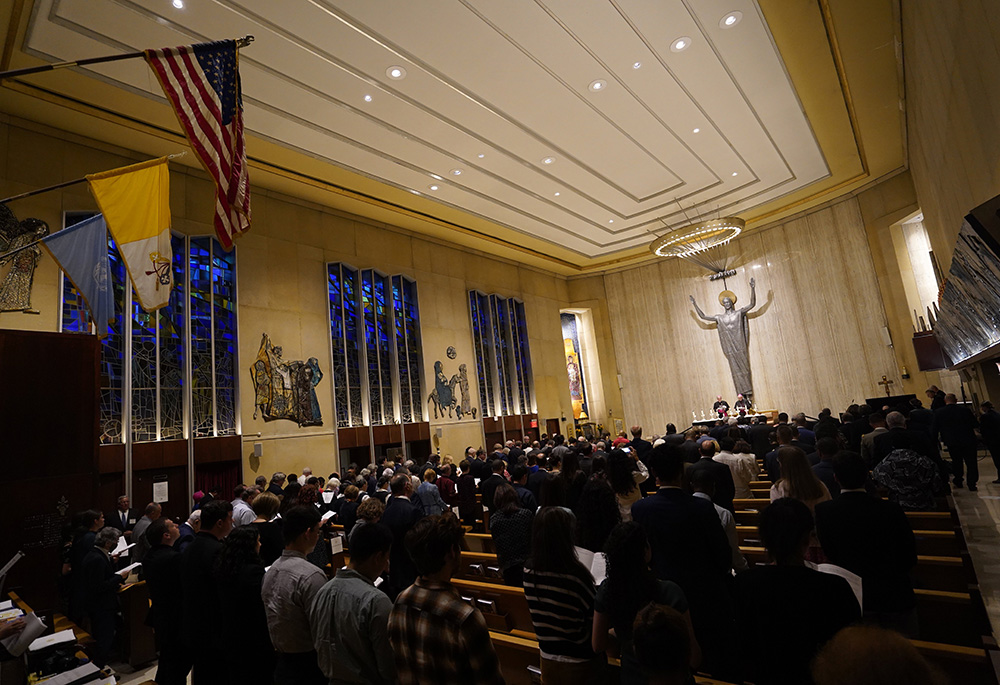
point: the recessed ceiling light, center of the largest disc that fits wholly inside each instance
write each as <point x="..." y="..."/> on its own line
<point x="436" y="177"/>
<point x="636" y="65"/>
<point x="682" y="43"/>
<point x="456" y="172"/>
<point x="611" y="221"/>
<point x="396" y="73"/>
<point x="368" y="98"/>
<point x="598" y="85"/>
<point x="433" y="187"/>
<point x="734" y="173"/>
<point x="179" y="4"/>
<point x="557" y="194"/>
<point x="697" y="130"/>
<point x="730" y="20"/>
<point x="481" y="156"/>
<point x="548" y="160"/>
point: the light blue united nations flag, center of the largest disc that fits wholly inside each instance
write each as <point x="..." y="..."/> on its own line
<point x="81" y="250"/>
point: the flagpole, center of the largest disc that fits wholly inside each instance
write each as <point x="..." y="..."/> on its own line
<point x="64" y="184"/>
<point x="14" y="73"/>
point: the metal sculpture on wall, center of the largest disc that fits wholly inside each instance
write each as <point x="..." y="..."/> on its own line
<point x="734" y="336"/>
<point x="443" y="397"/>
<point x="285" y="389"/>
<point x="16" y="249"/>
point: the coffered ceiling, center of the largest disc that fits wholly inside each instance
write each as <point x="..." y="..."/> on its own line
<point x="564" y="133"/>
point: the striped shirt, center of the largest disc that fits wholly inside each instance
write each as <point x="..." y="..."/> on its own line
<point x="562" y="611"/>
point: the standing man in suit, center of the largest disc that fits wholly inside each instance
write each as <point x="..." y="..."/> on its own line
<point x="479" y="467"/>
<point x="937" y="397"/>
<point x="721" y="476"/>
<point x="871" y="537"/>
<point x="124" y="518"/>
<point x="400" y="516"/>
<point x="201" y="605"/>
<point x="956" y="428"/>
<point x="489" y="486"/>
<point x="690" y="548"/>
<point x="162" y="573"/>
<point x="99" y="591"/>
<point x="920" y="418"/>
<point x="535" y="480"/>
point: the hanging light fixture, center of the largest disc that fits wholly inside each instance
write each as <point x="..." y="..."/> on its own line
<point x="702" y="243"/>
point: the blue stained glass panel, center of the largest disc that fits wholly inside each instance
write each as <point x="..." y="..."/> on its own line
<point x="202" y="363"/>
<point x="414" y="347"/>
<point x="224" y="310"/>
<point x="338" y="346"/>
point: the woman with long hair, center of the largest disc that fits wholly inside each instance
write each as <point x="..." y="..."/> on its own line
<point x="510" y="526"/>
<point x="574" y="478"/>
<point x="239" y="574"/>
<point x="625" y="472"/>
<point x="597" y="513"/>
<point x="630" y="585"/>
<point x="798" y="480"/>
<point x="560" y="593"/>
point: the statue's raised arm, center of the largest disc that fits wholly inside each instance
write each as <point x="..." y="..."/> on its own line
<point x="753" y="297"/>
<point x="701" y="313"/>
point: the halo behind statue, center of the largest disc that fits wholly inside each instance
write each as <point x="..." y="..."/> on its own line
<point x="703" y="243"/>
<point x="727" y="293"/>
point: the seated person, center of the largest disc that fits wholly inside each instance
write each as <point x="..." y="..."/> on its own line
<point x="788" y="611"/>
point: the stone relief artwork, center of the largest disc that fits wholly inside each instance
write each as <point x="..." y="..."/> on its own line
<point x="285" y="389"/>
<point x="444" y="398"/>
<point x="18" y="251"/>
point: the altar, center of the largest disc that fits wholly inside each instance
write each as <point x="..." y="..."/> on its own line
<point x="740" y="420"/>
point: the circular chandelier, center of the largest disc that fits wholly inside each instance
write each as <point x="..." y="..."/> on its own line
<point x="688" y="241"/>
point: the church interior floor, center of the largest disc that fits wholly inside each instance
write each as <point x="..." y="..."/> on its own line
<point x="979" y="513"/>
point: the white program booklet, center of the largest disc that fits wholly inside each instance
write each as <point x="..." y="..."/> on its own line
<point x="122" y="548"/>
<point x="33" y="627"/>
<point x="337" y="544"/>
<point x="853" y="580"/>
<point x="327" y="516"/>
<point x="595" y="562"/>
<point x="53" y="639"/>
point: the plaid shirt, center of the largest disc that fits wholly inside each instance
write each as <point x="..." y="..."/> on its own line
<point x="437" y="638"/>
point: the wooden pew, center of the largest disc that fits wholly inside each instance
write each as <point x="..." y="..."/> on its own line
<point x="964" y="665"/>
<point x="954" y="618"/>
<point x="483" y="559"/>
<point x="478" y="542"/>
<point x="511" y="613"/>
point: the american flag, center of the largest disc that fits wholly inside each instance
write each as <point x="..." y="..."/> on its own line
<point x="202" y="82"/>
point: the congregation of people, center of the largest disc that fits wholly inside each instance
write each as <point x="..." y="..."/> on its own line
<point x="244" y="590"/>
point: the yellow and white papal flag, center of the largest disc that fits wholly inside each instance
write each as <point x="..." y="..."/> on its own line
<point x="135" y="201"/>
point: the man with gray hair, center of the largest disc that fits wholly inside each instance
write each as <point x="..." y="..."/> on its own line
<point x="242" y="511"/>
<point x="188" y="530"/>
<point x="306" y="475"/>
<point x="899" y="437"/>
<point x="151" y="513"/>
<point x="277" y="484"/>
<point x="98" y="591"/>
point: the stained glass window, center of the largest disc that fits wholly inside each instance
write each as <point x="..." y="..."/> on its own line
<point x="159" y="343"/>
<point x="500" y="339"/>
<point x="375" y="342"/>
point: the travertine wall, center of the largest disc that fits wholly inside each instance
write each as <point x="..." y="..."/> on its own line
<point x="815" y="337"/>
<point x="281" y="282"/>
<point x="952" y="68"/>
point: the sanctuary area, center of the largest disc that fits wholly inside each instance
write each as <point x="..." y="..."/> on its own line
<point x="591" y="341"/>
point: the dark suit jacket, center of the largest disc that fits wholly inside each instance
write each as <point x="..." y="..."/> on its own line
<point x="920" y="419"/>
<point x="673" y="438"/>
<point x="871" y="537"/>
<point x="641" y="447"/>
<point x="989" y="426"/>
<point x="760" y="440"/>
<point x="528" y="500"/>
<point x="956" y="426"/>
<point x="902" y="439"/>
<point x="535" y="481"/>
<point x="186" y="537"/>
<point x="201" y="596"/>
<point x="725" y="489"/>
<point x="275" y="490"/>
<point x="512" y="456"/>
<point x="690" y="450"/>
<point x="162" y="573"/>
<point x="938" y="401"/>
<point x="689" y="546"/>
<point x="771" y="460"/>
<point x="824" y="471"/>
<point x="400" y="516"/>
<point x="114" y="519"/>
<point x="489" y="487"/>
<point x="98" y="586"/>
<point x="480" y="469"/>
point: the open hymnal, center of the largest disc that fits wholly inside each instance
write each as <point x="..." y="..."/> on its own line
<point x="852" y="579"/>
<point x="595" y="562"/>
<point x="33" y="627"/>
<point x="121" y="549"/>
<point x="129" y="568"/>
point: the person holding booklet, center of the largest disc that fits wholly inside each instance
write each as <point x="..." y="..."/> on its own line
<point x="563" y="627"/>
<point x="98" y="589"/>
